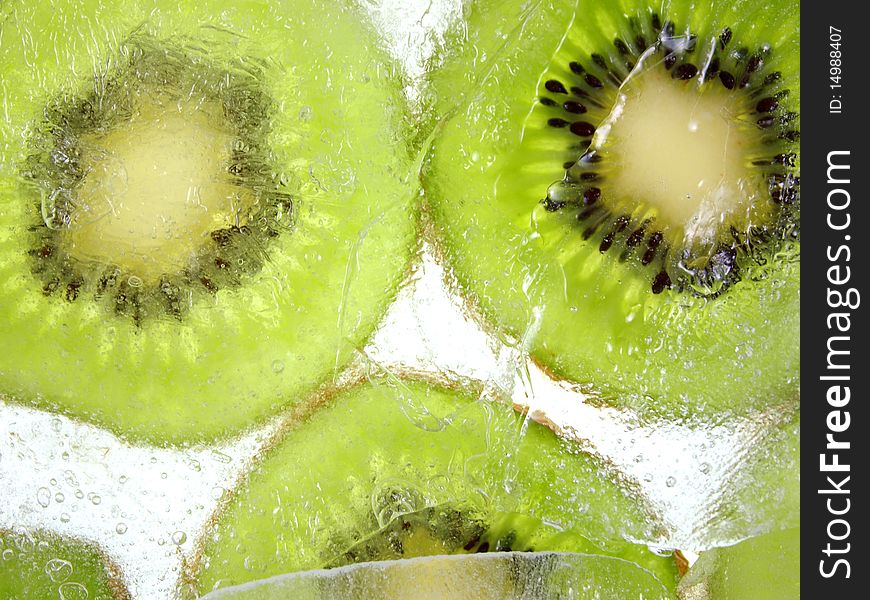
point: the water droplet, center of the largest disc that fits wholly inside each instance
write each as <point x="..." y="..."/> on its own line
<point x="122" y="479"/>
<point x="70" y="478"/>
<point x="277" y="366"/>
<point x="43" y="496"/>
<point x="72" y="591"/>
<point x="23" y="540"/>
<point x="671" y="481"/>
<point x="59" y="497"/>
<point x="121" y="528"/>
<point x="56" y="424"/>
<point x="8" y="554"/>
<point x="134" y="281"/>
<point x="179" y="537"/>
<point x="94" y="498"/>
<point x="58" y="570"/>
<point x="648" y="477"/>
<point x="221" y="457"/>
<point x="79" y="494"/>
<point x="65" y="455"/>
<point x="305" y="113"/>
<point x="163" y="476"/>
<point x="705" y="468"/>
<point x="64" y="517"/>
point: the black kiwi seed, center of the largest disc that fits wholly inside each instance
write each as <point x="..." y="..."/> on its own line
<point x="685" y="71"/>
<point x="555" y="86"/>
<point x="635" y="238"/>
<point x="591" y="195"/>
<point x="621" y="47"/>
<point x="576" y="67"/>
<point x="593" y="81"/>
<point x="661" y="282"/>
<point x="582" y="128"/>
<point x="767" y="105"/>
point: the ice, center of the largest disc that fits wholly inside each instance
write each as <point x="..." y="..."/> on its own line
<point x="149" y="508"/>
<point x="503" y="576"/>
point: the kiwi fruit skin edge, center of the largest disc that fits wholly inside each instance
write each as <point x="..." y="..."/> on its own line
<point x="583" y="315"/>
<point x="386" y="470"/>
<point x="239" y="354"/>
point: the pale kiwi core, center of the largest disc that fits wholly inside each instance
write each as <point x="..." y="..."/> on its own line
<point x="155" y="187"/>
<point x="682" y="152"/>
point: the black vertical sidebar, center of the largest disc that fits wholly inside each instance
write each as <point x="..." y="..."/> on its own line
<point x="835" y="356"/>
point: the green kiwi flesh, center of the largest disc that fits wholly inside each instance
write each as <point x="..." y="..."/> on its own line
<point x="766" y="567"/>
<point x="537" y="189"/>
<point x="505" y="576"/>
<point x="35" y="564"/>
<point x="255" y="300"/>
<point x="763" y="493"/>
<point x="395" y="470"/>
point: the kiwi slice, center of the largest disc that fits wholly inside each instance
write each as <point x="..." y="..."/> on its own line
<point x="763" y="493"/>
<point x="199" y="216"/>
<point x="388" y="470"/>
<point x="619" y="188"/>
<point x="766" y="567"/>
<point x="36" y="564"/>
<point x="505" y="576"/>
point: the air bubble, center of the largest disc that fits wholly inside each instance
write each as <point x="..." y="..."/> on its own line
<point x="43" y="496"/>
<point x="705" y="468"/>
<point x="671" y="482"/>
<point x="121" y="528"/>
<point x="8" y="554"/>
<point x="134" y="281"/>
<point x="59" y="498"/>
<point x="179" y="537"/>
<point x="70" y="478"/>
<point x="72" y="591"/>
<point x="58" y="570"/>
<point x="277" y="366"/>
<point x="64" y="517"/>
<point x="94" y="498"/>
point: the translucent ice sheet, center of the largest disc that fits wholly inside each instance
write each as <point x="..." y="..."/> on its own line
<point x="150" y="508"/>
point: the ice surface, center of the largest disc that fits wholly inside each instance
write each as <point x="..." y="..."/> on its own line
<point x="502" y="576"/>
<point x="148" y="507"/>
